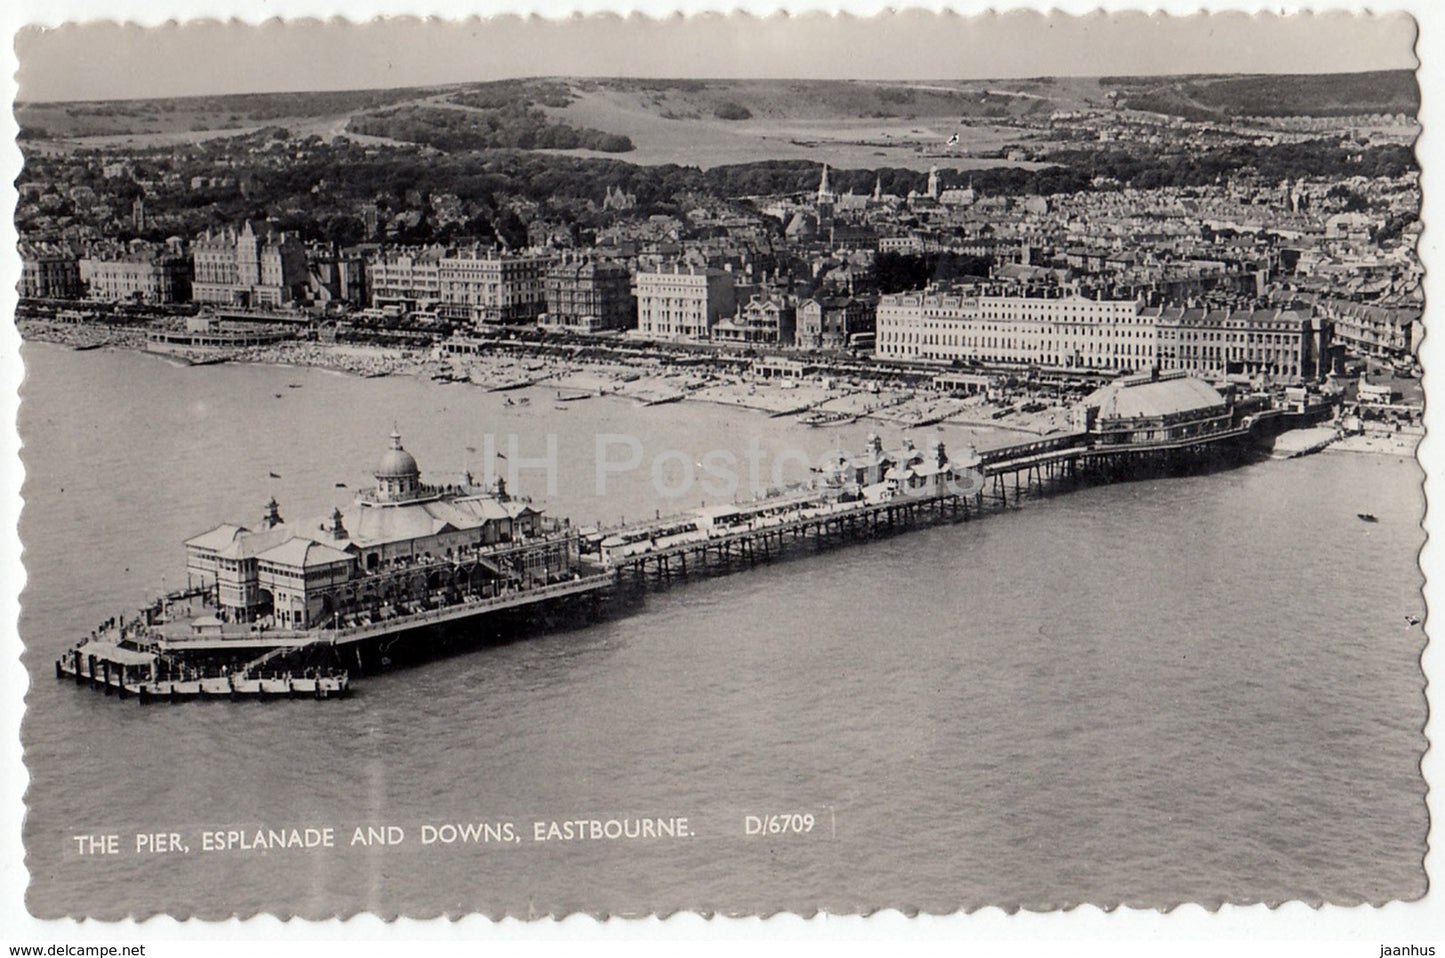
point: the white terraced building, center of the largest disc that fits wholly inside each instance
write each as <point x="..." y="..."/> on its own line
<point x="1071" y="331"/>
<point x="1075" y="332"/>
<point x="683" y="303"/>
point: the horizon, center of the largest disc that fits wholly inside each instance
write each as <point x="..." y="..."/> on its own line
<point x="110" y="61"/>
<point x="20" y="102"/>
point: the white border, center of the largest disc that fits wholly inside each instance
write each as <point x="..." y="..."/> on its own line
<point x="1191" y="930"/>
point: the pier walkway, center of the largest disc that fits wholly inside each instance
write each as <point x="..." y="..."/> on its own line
<point x="295" y="639"/>
<point x="668" y="547"/>
<point x="800" y="519"/>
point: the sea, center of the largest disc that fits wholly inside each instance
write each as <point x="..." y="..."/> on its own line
<point x="1202" y="689"/>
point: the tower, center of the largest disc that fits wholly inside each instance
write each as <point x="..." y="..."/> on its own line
<point x="825" y="193"/>
<point x="397" y="475"/>
<point x="826" y="199"/>
<point x="248" y="257"/>
<point x="336" y="530"/>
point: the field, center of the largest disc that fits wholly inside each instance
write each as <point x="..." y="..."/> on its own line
<point x="686" y="130"/>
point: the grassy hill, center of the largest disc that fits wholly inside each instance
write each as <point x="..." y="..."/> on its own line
<point x="706" y="123"/>
<point x="199" y="113"/>
<point x="1335" y="94"/>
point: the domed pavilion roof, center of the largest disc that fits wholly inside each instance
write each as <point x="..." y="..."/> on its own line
<point x="1143" y="398"/>
<point x="396" y="462"/>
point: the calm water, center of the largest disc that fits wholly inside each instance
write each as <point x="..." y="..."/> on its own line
<point x="1199" y="689"/>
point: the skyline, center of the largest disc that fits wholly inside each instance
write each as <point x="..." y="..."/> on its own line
<point x="113" y="61"/>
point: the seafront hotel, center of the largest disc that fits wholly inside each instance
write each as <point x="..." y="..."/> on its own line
<point x="1121" y="335"/>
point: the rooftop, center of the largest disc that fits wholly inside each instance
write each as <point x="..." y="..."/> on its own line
<point x="1138" y="398"/>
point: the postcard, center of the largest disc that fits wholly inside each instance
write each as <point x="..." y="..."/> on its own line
<point x="720" y="465"/>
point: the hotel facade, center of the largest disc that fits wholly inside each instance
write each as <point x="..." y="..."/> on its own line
<point x="252" y="267"/>
<point x="139" y="277"/>
<point x="1077" y="333"/>
<point x="683" y="304"/>
<point x="586" y="295"/>
<point x="484" y="287"/>
<point x="1072" y="331"/>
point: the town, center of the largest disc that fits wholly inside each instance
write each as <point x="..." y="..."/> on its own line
<point x="1270" y="252"/>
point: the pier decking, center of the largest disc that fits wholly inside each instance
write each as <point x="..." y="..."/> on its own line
<point x="107" y="670"/>
<point x="822" y="525"/>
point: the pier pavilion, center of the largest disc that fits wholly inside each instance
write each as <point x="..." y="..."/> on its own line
<point x="401" y="543"/>
<point x="1154" y="407"/>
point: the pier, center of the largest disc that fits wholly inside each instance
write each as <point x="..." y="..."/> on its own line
<point x="287" y="610"/>
<point x="1009" y="474"/>
<point x="800" y="524"/>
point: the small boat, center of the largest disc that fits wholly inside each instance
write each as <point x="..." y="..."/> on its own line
<point x="660" y="398"/>
<point x="1366" y="517"/>
<point x="559" y="406"/>
<point x="821" y="418"/>
<point x="293" y="385"/>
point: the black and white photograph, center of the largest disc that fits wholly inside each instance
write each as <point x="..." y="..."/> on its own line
<point x="722" y="465"/>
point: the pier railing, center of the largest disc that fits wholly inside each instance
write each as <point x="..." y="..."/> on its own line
<point x="466" y="608"/>
<point x="283" y="640"/>
<point x="1024" y="450"/>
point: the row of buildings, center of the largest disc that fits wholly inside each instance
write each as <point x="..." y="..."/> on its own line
<point x="262" y="268"/>
<point x="692" y="304"/>
<point x="960" y="324"/>
<point x="943" y="323"/>
<point x="249" y="267"/>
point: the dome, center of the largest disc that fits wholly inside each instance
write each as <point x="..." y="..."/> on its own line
<point x="396" y="462"/>
<point x="1145" y="398"/>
